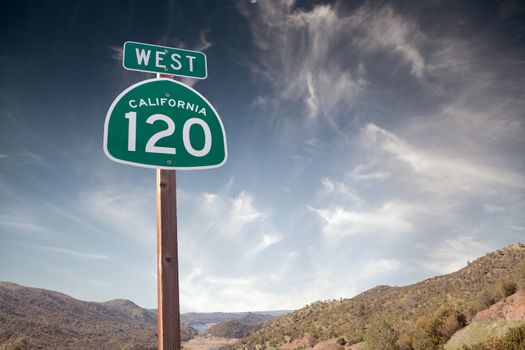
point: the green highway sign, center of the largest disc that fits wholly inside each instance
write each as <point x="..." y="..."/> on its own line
<point x="166" y="60"/>
<point x="164" y="124"/>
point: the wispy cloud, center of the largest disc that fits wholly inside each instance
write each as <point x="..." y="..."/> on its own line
<point x="294" y="48"/>
<point x="230" y="214"/>
<point x="452" y="254"/>
<point x="267" y="241"/>
<point x="389" y="219"/>
<point x="385" y="29"/>
<point x="20" y="223"/>
<point x="23" y="158"/>
<point x="381" y="266"/>
<point x="438" y="171"/>
<point x="316" y="56"/>
<point x="75" y="253"/>
<point x="127" y="211"/>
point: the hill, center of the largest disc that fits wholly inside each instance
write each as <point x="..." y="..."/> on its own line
<point x="492" y="322"/>
<point x="241" y="327"/>
<point x="466" y="291"/>
<point x="195" y="318"/>
<point x="53" y="320"/>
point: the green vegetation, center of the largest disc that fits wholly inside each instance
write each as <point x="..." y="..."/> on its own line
<point x="233" y="329"/>
<point x="239" y="327"/>
<point x="479" y="332"/>
<point x="187" y="332"/>
<point x="430" y="315"/>
<point x="513" y="340"/>
<point x="506" y="287"/>
<point x="380" y="336"/>
<point x="32" y="318"/>
<point x="423" y="315"/>
<point x="520" y="276"/>
<point x="431" y="333"/>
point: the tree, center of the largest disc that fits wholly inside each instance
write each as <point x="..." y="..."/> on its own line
<point x="380" y="335"/>
<point x="485" y="299"/>
<point x="520" y="275"/>
<point x="506" y="287"/>
<point x="433" y="332"/>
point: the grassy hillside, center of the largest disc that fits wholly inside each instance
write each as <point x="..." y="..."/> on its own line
<point x="240" y="327"/>
<point x="480" y="331"/>
<point x="192" y="318"/>
<point x="465" y="290"/>
<point x="56" y="321"/>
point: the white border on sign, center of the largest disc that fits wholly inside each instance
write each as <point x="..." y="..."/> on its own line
<point x="117" y="99"/>
<point x="165" y="73"/>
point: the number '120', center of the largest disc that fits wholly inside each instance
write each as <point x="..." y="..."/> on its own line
<point x="151" y="145"/>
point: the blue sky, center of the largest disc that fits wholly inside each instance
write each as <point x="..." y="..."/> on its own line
<point x="369" y="143"/>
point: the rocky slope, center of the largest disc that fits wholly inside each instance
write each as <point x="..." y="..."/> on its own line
<point x="495" y="321"/>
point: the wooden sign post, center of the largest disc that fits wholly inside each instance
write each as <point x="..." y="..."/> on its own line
<point x="168" y="311"/>
<point x="166" y="125"/>
<point x="167" y="261"/>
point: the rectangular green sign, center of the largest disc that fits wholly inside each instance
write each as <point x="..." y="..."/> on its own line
<point x="166" y="60"/>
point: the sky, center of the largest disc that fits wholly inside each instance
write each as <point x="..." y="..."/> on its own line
<point x="369" y="143"/>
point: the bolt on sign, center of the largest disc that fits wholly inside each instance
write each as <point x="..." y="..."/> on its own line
<point x="161" y="123"/>
<point x="166" y="60"/>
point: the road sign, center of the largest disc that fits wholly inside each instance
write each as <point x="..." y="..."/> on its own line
<point x="166" y="60"/>
<point x="164" y="124"/>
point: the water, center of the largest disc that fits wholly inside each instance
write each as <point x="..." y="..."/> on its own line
<point x="202" y="327"/>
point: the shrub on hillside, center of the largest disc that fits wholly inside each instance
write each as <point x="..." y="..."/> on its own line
<point x="17" y="344"/>
<point x="506" y="287"/>
<point x="341" y="341"/>
<point x="520" y="275"/>
<point x="380" y="336"/>
<point x="432" y="332"/>
<point x="485" y="299"/>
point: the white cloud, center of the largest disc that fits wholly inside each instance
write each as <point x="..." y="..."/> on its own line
<point x="267" y="241"/>
<point x="295" y="46"/>
<point x="123" y="210"/>
<point x="452" y="254"/>
<point x="363" y="173"/>
<point x="387" y="30"/>
<point x="24" y="158"/>
<point x="20" y="222"/>
<point x="333" y="188"/>
<point x="225" y="237"/>
<point x="225" y="293"/>
<point x="75" y="253"/>
<point x="391" y="218"/>
<point x="438" y="171"/>
<point x="380" y="266"/>
<point x="316" y="56"/>
<point x="230" y="214"/>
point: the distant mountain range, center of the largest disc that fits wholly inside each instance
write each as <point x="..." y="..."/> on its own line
<point x="37" y="318"/>
<point x="52" y="320"/>
<point x="195" y="318"/>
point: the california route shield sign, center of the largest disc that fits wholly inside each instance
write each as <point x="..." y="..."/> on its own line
<point x="161" y="123"/>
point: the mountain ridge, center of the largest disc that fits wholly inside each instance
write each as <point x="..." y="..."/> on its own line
<point x="401" y="306"/>
<point x="54" y="320"/>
